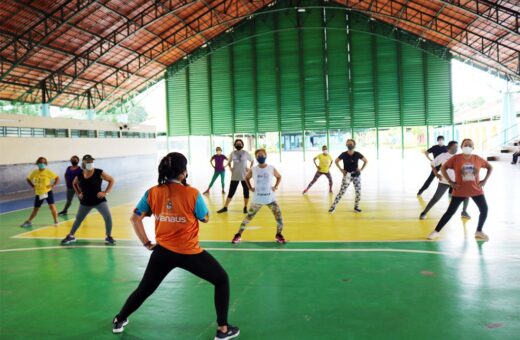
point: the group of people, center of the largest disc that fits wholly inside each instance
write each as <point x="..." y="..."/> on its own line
<point x="84" y="181"/>
<point x="460" y="175"/>
<point x="179" y="208"/>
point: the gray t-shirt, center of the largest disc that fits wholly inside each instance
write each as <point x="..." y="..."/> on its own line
<point x="240" y="161"/>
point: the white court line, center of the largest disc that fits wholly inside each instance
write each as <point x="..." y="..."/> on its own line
<point x="302" y="250"/>
<point x="228" y="241"/>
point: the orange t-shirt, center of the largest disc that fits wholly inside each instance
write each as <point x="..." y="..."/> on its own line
<point x="177" y="210"/>
<point x="467" y="174"/>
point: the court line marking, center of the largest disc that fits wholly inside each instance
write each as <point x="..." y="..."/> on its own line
<point x="20" y="236"/>
<point x="300" y="250"/>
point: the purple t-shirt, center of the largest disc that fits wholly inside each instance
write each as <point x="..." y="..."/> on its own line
<point x="219" y="162"/>
<point x="70" y="175"/>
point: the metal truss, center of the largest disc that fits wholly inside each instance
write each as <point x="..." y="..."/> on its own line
<point x="25" y="44"/>
<point x="60" y="80"/>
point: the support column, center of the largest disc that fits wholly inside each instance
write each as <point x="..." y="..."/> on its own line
<point x="45" y="108"/>
<point x="509" y="126"/>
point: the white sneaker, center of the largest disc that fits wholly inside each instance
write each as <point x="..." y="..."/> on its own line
<point x="479" y="235"/>
<point x="433" y="235"/>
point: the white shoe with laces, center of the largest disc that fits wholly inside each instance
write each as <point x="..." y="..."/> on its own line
<point x="433" y="235"/>
<point x="479" y="235"/>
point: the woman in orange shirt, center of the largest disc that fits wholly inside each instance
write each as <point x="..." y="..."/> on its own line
<point x="177" y="209"/>
<point x="467" y="184"/>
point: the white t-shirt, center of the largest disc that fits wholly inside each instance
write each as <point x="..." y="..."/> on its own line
<point x="440" y="160"/>
<point x="263" y="179"/>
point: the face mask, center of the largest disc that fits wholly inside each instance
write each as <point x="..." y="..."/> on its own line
<point x="261" y="159"/>
<point x="441" y="143"/>
<point x="74" y="162"/>
<point x="467" y="150"/>
<point x="89" y="166"/>
<point x="350" y="147"/>
<point x="42" y="166"/>
<point x="239" y="146"/>
<point x="325" y="152"/>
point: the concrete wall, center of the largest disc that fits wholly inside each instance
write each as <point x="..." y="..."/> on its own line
<point x="123" y="158"/>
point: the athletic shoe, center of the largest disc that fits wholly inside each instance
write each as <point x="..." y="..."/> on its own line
<point x="223" y="192"/>
<point x="433" y="235"/>
<point x="465" y="215"/>
<point x="206" y="192"/>
<point x="232" y="332"/>
<point x="63" y="212"/>
<point x="479" y="235"/>
<point x="110" y="241"/>
<point x="223" y="210"/>
<point x="119" y="326"/>
<point x="236" y="239"/>
<point x="356" y="209"/>
<point x="245" y="210"/>
<point x="26" y="224"/>
<point x="68" y="240"/>
<point x="304" y="192"/>
<point x="423" y="216"/>
<point x="330" y="191"/>
<point x="56" y="223"/>
<point x="280" y="239"/>
<point x="419" y="193"/>
<point x="331" y="210"/>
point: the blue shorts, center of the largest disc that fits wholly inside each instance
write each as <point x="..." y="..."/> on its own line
<point x="50" y="199"/>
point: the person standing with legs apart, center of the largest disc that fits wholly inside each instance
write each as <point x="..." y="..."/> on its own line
<point x="71" y="173"/>
<point x="220" y="169"/>
<point x="436" y="150"/>
<point x="263" y="194"/>
<point x="325" y="161"/>
<point x="40" y="181"/>
<point x="467" y="184"/>
<point x="351" y="173"/>
<point x="177" y="209"/>
<point x="238" y="161"/>
<point x="444" y="185"/>
<point x="88" y="188"/>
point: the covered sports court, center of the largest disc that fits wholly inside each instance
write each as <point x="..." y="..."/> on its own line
<point x="129" y="82"/>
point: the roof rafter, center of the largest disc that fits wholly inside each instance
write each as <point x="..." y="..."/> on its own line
<point x="51" y="22"/>
<point x="59" y="81"/>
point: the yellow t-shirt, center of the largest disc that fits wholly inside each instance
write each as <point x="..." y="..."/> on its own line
<point x="41" y="179"/>
<point x="324" y="162"/>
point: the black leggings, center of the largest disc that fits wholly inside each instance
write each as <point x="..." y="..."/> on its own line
<point x="233" y="188"/>
<point x="162" y="261"/>
<point x="429" y="180"/>
<point x="481" y="203"/>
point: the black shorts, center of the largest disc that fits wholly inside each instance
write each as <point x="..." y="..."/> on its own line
<point x="38" y="202"/>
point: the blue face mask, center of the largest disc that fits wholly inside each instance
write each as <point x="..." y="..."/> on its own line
<point x="42" y="166"/>
<point x="261" y="159"/>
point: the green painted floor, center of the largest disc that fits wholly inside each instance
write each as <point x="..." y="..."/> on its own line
<point x="366" y="290"/>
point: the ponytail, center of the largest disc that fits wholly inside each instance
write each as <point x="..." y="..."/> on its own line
<point x="171" y="167"/>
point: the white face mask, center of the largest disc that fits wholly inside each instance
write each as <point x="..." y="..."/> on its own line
<point x="89" y="166"/>
<point x="467" y="150"/>
<point x="441" y="143"/>
<point x="325" y="152"/>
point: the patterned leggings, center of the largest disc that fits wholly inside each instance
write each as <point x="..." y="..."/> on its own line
<point x="254" y="208"/>
<point x="318" y="175"/>
<point x="344" y="185"/>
